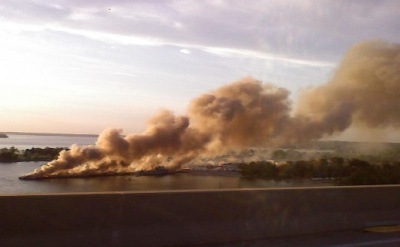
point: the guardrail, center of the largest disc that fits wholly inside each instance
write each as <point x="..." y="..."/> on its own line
<point x="194" y="217"/>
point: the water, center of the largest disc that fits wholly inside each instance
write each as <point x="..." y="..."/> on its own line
<point x="42" y="141"/>
<point x="10" y="184"/>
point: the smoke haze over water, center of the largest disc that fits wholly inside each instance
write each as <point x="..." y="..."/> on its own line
<point x="364" y="91"/>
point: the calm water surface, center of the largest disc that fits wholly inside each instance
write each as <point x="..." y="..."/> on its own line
<point x="42" y="141"/>
<point x="10" y="184"/>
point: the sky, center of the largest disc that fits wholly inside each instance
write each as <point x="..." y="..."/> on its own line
<point x="82" y="66"/>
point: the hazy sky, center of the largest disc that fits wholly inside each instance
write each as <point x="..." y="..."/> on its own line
<point x="76" y="66"/>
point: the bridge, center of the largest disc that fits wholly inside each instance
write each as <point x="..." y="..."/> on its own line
<point x="252" y="217"/>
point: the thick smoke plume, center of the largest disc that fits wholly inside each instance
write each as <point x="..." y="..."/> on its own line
<point x="364" y="90"/>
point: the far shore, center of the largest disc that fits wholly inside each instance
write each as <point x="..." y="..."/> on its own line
<point x="50" y="134"/>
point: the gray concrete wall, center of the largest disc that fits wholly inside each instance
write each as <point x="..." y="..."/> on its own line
<point x="195" y="217"/>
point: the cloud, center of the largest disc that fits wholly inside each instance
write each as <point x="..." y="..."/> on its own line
<point x="185" y="51"/>
<point x="303" y="30"/>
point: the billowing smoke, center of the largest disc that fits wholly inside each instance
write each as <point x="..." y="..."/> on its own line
<point x="364" y="90"/>
<point x="242" y="114"/>
<point x="248" y="113"/>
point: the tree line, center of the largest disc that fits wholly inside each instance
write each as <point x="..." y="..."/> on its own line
<point x="343" y="171"/>
<point x="13" y="154"/>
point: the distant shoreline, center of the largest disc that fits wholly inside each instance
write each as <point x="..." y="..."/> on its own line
<point x="328" y="142"/>
<point x="49" y="134"/>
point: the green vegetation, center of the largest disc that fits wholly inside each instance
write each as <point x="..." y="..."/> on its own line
<point x="12" y="154"/>
<point x="343" y="171"/>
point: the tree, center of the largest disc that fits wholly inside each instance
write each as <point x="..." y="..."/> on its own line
<point x="8" y="155"/>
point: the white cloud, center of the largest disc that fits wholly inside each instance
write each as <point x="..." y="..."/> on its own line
<point x="226" y="52"/>
<point x="185" y="51"/>
<point x="126" y="46"/>
<point x="300" y="30"/>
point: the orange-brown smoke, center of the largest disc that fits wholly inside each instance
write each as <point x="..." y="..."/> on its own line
<point x="240" y="115"/>
<point x="247" y="113"/>
<point x="365" y="90"/>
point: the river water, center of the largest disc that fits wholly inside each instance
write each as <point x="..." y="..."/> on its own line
<point x="10" y="184"/>
<point x="24" y="141"/>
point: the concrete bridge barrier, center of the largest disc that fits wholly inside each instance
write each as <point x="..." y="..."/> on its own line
<point x="182" y="218"/>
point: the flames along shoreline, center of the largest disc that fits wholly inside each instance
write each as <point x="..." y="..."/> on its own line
<point x="154" y="172"/>
<point x="158" y="171"/>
